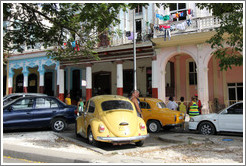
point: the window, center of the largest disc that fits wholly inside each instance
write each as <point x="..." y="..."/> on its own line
<point x="144" y="105"/>
<point x="139" y="9"/>
<point x="178" y="7"/>
<point x="91" y="107"/>
<point x="23" y="104"/>
<point x="116" y="104"/>
<point x="236" y="109"/>
<point x="192" y="73"/>
<point x="45" y="103"/>
<point x="235" y="92"/>
<point x="161" y="105"/>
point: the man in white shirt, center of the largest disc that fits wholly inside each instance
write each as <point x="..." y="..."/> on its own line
<point x="172" y="105"/>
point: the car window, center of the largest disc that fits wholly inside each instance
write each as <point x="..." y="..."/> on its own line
<point x="235" y="109"/>
<point x="12" y="98"/>
<point x="116" y="104"/>
<point x="22" y="104"/>
<point x="161" y="105"/>
<point x="91" y="107"/>
<point x="45" y="103"/>
<point x="144" y="105"/>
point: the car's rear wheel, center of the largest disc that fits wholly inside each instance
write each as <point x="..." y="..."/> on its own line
<point x="91" y="139"/>
<point x="154" y="126"/>
<point x="206" y="128"/>
<point x="139" y="143"/>
<point x="58" y="124"/>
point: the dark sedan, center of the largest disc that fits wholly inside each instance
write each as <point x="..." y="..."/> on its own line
<point x="38" y="111"/>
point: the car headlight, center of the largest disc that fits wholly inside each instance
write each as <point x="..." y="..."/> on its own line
<point x="192" y="120"/>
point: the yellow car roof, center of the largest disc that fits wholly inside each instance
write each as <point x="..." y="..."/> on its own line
<point x="150" y="99"/>
<point x="102" y="98"/>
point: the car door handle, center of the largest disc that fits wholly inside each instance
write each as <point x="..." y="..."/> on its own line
<point x="28" y="113"/>
<point x="54" y="111"/>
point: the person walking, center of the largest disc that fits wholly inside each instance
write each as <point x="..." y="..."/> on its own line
<point x="80" y="105"/>
<point x="172" y="105"/>
<point x="135" y="99"/>
<point x="199" y="103"/>
<point x="182" y="108"/>
<point x="68" y="99"/>
<point x="193" y="108"/>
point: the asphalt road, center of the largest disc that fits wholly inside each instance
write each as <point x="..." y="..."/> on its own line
<point x="7" y="159"/>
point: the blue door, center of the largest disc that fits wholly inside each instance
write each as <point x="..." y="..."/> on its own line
<point x="18" y="114"/>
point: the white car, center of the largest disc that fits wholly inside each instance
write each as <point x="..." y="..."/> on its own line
<point x="229" y="119"/>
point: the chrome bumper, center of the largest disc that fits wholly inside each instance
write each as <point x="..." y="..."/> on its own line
<point x="122" y="139"/>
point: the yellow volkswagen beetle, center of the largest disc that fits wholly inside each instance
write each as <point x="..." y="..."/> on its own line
<point x="111" y="118"/>
<point x="156" y="115"/>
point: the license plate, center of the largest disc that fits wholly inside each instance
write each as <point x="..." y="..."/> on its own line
<point x="122" y="128"/>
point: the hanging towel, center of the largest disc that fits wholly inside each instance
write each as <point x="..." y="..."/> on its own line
<point x="73" y="44"/>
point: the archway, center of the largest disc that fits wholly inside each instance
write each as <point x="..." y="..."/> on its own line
<point x="32" y="83"/>
<point x="19" y="83"/>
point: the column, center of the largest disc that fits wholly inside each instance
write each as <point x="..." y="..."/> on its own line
<point x="68" y="79"/>
<point x="119" y="77"/>
<point x="88" y="81"/>
<point x="61" y="84"/>
<point x="25" y="82"/>
<point x="41" y="71"/>
<point x="154" y="78"/>
<point x="10" y="81"/>
<point x="203" y="94"/>
<point x="57" y="68"/>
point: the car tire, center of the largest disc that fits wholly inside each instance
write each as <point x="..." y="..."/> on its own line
<point x="206" y="128"/>
<point x="139" y="143"/>
<point x="58" y="124"/>
<point x="77" y="135"/>
<point x="91" y="139"/>
<point x="154" y="126"/>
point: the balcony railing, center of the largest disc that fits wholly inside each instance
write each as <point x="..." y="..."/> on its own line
<point x="199" y="24"/>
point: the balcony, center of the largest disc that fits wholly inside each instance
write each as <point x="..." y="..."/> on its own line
<point x="199" y="24"/>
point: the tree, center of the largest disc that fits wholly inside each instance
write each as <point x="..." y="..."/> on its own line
<point x="54" y="24"/>
<point x="231" y="24"/>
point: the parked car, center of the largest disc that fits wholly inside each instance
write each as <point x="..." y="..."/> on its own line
<point x="112" y="119"/>
<point x="38" y="111"/>
<point x="229" y="119"/>
<point x="13" y="96"/>
<point x="156" y="115"/>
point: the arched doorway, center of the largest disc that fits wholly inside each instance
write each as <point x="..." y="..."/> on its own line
<point x="101" y="83"/>
<point x="19" y="83"/>
<point x="181" y="77"/>
<point x="32" y="83"/>
<point x="48" y="83"/>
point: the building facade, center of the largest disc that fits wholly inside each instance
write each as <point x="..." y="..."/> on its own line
<point x="170" y="62"/>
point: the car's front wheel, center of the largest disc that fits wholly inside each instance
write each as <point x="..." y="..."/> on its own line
<point x="58" y="124"/>
<point x="139" y="143"/>
<point x="206" y="128"/>
<point x="91" y="139"/>
<point x="154" y="126"/>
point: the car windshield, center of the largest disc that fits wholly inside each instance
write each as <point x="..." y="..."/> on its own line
<point x="161" y="105"/>
<point x="116" y="104"/>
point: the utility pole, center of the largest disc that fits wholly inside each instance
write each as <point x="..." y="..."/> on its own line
<point x="134" y="52"/>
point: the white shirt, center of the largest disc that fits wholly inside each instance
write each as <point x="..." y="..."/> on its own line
<point x="172" y="105"/>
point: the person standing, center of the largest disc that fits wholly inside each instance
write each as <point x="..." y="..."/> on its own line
<point x="193" y="108"/>
<point x="182" y="108"/>
<point x="136" y="102"/>
<point x="199" y="103"/>
<point x="68" y="99"/>
<point x="172" y="105"/>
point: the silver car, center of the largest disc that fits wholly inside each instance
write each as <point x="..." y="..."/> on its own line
<point x="8" y="98"/>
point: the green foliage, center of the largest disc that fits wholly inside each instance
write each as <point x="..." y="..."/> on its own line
<point x="231" y="16"/>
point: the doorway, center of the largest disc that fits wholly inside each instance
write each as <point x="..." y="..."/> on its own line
<point x="48" y="83"/>
<point x="101" y="83"/>
<point x="32" y="83"/>
<point x="19" y="83"/>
